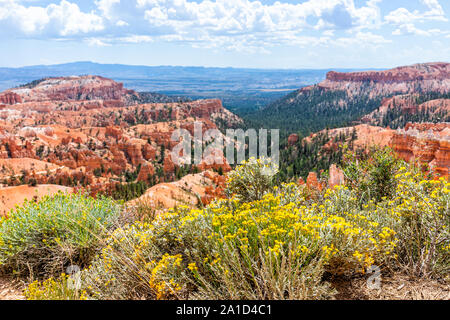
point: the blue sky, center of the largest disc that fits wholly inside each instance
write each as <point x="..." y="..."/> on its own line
<point x="222" y="33"/>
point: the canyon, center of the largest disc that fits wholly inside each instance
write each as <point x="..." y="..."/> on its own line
<point x="406" y="108"/>
<point x="425" y="143"/>
<point x="416" y="93"/>
<point x="90" y="133"/>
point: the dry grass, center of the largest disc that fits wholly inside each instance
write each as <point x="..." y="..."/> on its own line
<point x="393" y="287"/>
<point x="142" y="209"/>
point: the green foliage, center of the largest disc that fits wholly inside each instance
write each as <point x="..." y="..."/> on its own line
<point x="373" y="177"/>
<point x="421" y="209"/>
<point x="304" y="157"/>
<point x="131" y="176"/>
<point x="98" y="172"/>
<point x="45" y="237"/>
<point x="279" y="247"/>
<point x="129" y="191"/>
<point x="396" y="118"/>
<point x="312" y="111"/>
<point x="266" y="242"/>
<point x="251" y="180"/>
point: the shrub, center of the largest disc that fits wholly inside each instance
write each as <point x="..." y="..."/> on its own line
<point x="142" y="209"/>
<point x="251" y="180"/>
<point x="44" y="237"/>
<point x="282" y="246"/>
<point x="275" y="248"/>
<point x="373" y="178"/>
<point x="421" y="209"/>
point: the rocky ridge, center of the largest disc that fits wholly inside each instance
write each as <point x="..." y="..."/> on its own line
<point x="408" y="79"/>
<point x="428" y="143"/>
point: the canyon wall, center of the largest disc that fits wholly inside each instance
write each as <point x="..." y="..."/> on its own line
<point x="424" y="142"/>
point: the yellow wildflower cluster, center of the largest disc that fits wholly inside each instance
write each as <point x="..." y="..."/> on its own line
<point x="55" y="289"/>
<point x="163" y="287"/>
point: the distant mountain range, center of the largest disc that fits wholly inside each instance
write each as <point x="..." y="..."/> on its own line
<point x="238" y="88"/>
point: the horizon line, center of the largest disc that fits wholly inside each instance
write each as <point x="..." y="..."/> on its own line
<point x="198" y="66"/>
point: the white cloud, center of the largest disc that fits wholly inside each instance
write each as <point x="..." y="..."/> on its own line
<point x="96" y="42"/>
<point x="403" y="16"/>
<point x="63" y="19"/>
<point x="363" y="38"/>
<point x="106" y="6"/>
<point x="405" y="20"/>
<point x="408" y="29"/>
<point x="122" y="23"/>
<point x="136" y="39"/>
<point x="240" y="23"/>
<point x="69" y="20"/>
<point x="435" y="10"/>
<point x="245" y="25"/>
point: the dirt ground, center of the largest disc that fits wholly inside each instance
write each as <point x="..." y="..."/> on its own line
<point x="12" y="196"/>
<point x="394" y="287"/>
<point x="11" y="289"/>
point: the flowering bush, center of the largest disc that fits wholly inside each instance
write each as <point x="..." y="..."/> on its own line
<point x="42" y="238"/>
<point x="421" y="211"/>
<point x="277" y="247"/>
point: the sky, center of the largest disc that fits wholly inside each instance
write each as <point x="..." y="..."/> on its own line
<point x="317" y="34"/>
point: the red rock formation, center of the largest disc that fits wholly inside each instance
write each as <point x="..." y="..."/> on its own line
<point x="168" y="166"/>
<point x="427" y="77"/>
<point x="78" y="125"/>
<point x="10" y="98"/>
<point x="10" y="149"/>
<point x="147" y="170"/>
<point x="113" y="104"/>
<point x="406" y="104"/>
<point x="216" y="190"/>
<point x="149" y="152"/>
<point x="75" y="88"/>
<point x="293" y="139"/>
<point x="418" y="72"/>
<point x="119" y="160"/>
<point x="133" y="150"/>
<point x="216" y="160"/>
<point x="113" y="132"/>
<point x="312" y="181"/>
<point x="425" y="142"/>
<point x="336" y="176"/>
<point x="205" y="108"/>
<point x="187" y="191"/>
